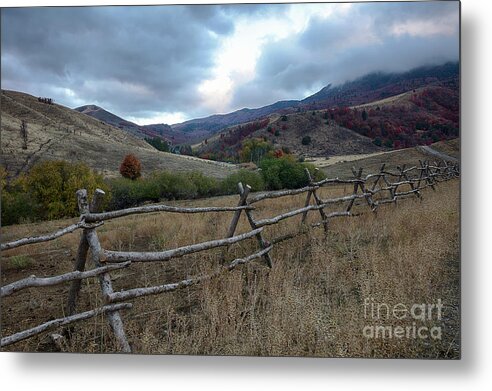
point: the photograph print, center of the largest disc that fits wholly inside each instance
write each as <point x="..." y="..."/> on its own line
<point x="232" y="180"/>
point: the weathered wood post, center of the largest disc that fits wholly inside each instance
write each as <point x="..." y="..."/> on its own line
<point x="378" y="177"/>
<point x="83" y="248"/>
<point x="357" y="176"/>
<point x="360" y="183"/>
<point x="243" y="194"/>
<point x="374" y="189"/>
<point x="243" y="201"/>
<point x="425" y="169"/>
<point x="317" y="200"/>
<point x="395" y="187"/>
<point x="114" y="317"/>
<point x="416" y="191"/>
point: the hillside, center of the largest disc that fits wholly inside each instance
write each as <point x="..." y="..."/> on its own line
<point x="287" y="133"/>
<point x="371" y="87"/>
<point x="418" y="117"/>
<point x="163" y="131"/>
<point x="379" y="85"/>
<point x="57" y="132"/>
<point x="111" y="119"/>
<point x="341" y="166"/>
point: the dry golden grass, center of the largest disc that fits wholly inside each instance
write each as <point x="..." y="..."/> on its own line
<point x="310" y="304"/>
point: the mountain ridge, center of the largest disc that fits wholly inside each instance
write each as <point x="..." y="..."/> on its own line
<point x="370" y="87"/>
<point x="384" y="83"/>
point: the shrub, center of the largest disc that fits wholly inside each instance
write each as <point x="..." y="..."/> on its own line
<point x="254" y="179"/>
<point x="206" y="186"/>
<point x="53" y="185"/>
<point x="178" y="187"/>
<point x="131" y="167"/>
<point x="283" y="173"/>
<point x="18" y="206"/>
<point x="48" y="192"/>
<point x="17" y="203"/>
<point x="306" y="140"/>
<point x="161" y="185"/>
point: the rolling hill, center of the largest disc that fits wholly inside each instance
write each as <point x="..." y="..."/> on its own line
<point x="57" y="132"/>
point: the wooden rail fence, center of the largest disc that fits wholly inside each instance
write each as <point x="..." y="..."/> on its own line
<point x="383" y="187"/>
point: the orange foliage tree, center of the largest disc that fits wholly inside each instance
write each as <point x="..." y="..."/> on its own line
<point x="131" y="167"/>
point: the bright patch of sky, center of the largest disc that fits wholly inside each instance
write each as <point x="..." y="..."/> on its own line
<point x="238" y="55"/>
<point x="159" y="118"/>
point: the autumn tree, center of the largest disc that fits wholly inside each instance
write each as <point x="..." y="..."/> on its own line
<point x="131" y="167"/>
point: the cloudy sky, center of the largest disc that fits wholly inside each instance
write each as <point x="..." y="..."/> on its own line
<point x="167" y="64"/>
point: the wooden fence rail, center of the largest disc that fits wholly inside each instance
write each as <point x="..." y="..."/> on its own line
<point x="368" y="190"/>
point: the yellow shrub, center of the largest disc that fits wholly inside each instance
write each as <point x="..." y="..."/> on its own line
<point x="54" y="183"/>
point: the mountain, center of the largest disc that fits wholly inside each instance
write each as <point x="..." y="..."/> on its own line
<point x="58" y="132"/>
<point x="163" y="131"/>
<point x="369" y="88"/>
<point x="216" y="122"/>
<point x="365" y="89"/>
<point x="111" y="119"/>
<point x="380" y="85"/>
<point x="307" y="133"/>
<point x="417" y="117"/>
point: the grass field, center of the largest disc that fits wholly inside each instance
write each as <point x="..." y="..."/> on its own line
<point x="341" y="166"/>
<point x="310" y="304"/>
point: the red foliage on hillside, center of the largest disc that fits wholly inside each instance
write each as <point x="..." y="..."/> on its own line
<point x="427" y="116"/>
<point x="240" y="132"/>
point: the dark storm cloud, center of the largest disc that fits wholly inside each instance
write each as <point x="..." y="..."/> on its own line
<point x="130" y="59"/>
<point x="142" y="61"/>
<point x="371" y="37"/>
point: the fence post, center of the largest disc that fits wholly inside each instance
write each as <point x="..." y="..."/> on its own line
<point x="83" y="246"/>
<point x="360" y="184"/>
<point x="306" y="204"/>
<point x="378" y="177"/>
<point x="405" y="176"/>
<point x="357" y="176"/>
<point x="425" y="169"/>
<point x="375" y="184"/>
<point x="243" y="194"/>
<point x="262" y="242"/>
<point x="114" y="317"/>
<point x="317" y="200"/>
<point x="73" y="293"/>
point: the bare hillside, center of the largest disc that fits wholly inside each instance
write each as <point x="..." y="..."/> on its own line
<point x="327" y="138"/>
<point x="57" y="132"/>
<point x="322" y="137"/>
